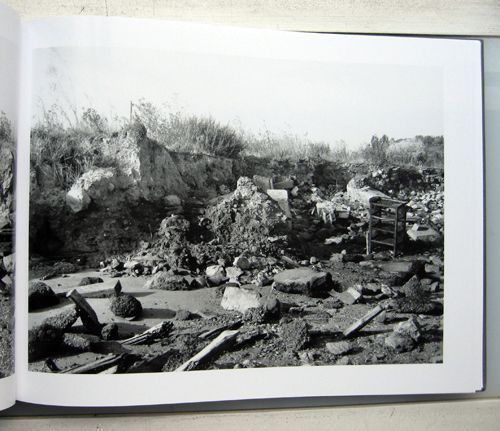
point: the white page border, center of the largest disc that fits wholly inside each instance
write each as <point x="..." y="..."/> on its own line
<point x="463" y="319"/>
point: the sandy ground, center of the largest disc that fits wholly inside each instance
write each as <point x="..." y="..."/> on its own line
<point x="271" y="350"/>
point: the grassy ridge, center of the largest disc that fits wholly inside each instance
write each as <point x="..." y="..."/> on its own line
<point x="61" y="151"/>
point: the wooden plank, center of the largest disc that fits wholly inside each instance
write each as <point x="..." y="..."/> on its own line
<point x="85" y="311"/>
<point x="221" y="342"/>
<point x="361" y="323"/>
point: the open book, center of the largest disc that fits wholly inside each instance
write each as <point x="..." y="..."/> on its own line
<point x="207" y="213"/>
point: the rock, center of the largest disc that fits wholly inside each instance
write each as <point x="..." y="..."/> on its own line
<point x="94" y="185"/>
<point x="423" y="233"/>
<point x="240" y="299"/>
<point x="262" y="279"/>
<point x="78" y="342"/>
<point x="295" y="335"/>
<point x="334" y="240"/>
<point x="116" y="265"/>
<point x="313" y="260"/>
<point x="42" y="341"/>
<point x="349" y="297"/>
<point x="109" y="332"/>
<point x="147" y="170"/>
<point x="216" y="275"/>
<point x="233" y="273"/>
<point x="339" y="347"/>
<point x="412" y="287"/>
<point x="9" y="262"/>
<point x="362" y="194"/>
<point x="125" y="305"/>
<point x="183" y="315"/>
<point x="242" y="262"/>
<point x="333" y="303"/>
<point x="64" y="320"/>
<point x="400" y="343"/>
<point x="166" y="281"/>
<point x="85" y="281"/>
<point x="40" y="295"/>
<point x="410" y="328"/>
<point x="281" y="198"/>
<point x="305" y="281"/>
<point x="371" y="288"/>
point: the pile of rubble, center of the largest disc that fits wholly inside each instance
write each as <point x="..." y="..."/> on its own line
<point x="284" y="264"/>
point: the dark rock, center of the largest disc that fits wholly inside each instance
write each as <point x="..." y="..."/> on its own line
<point x="42" y="341"/>
<point x="183" y="315"/>
<point x="295" y="335"/>
<point x="78" y="342"/>
<point x="41" y="295"/>
<point x="410" y="328"/>
<point x="165" y="281"/>
<point x="126" y="306"/>
<point x="85" y="281"/>
<point x="109" y="331"/>
<point x="64" y="320"/>
<point x="400" y="343"/>
<point x="305" y="281"/>
<point x="333" y="303"/>
<point x="339" y="347"/>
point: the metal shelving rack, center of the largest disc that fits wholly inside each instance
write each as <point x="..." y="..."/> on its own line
<point x="387" y="224"/>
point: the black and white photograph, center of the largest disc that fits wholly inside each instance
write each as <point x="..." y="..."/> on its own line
<point x="205" y="212"/>
<point x="7" y="213"/>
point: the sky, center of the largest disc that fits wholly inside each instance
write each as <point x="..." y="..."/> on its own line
<point x="8" y="79"/>
<point x="325" y="102"/>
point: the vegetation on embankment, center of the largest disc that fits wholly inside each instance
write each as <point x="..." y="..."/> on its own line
<point x="63" y="149"/>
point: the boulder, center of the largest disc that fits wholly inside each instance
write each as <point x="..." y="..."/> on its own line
<point x="109" y="332"/>
<point x="216" y="275"/>
<point x="233" y="273"/>
<point x="40" y="295"/>
<point x="361" y="194"/>
<point x="95" y="185"/>
<point x="166" y="281"/>
<point x="339" y="347"/>
<point x="400" y="343"/>
<point x="78" y="342"/>
<point x="42" y="341"/>
<point x="305" y="281"/>
<point x="64" y="320"/>
<point x="9" y="262"/>
<point x="242" y="262"/>
<point x="147" y="169"/>
<point x="410" y="328"/>
<point x="423" y="233"/>
<point x="86" y="281"/>
<point x="125" y="305"/>
<point x="240" y="299"/>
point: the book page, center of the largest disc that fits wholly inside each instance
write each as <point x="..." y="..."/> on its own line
<point x="9" y="75"/>
<point x="219" y="214"/>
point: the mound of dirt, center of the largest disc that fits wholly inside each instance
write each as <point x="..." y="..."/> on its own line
<point x="247" y="218"/>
